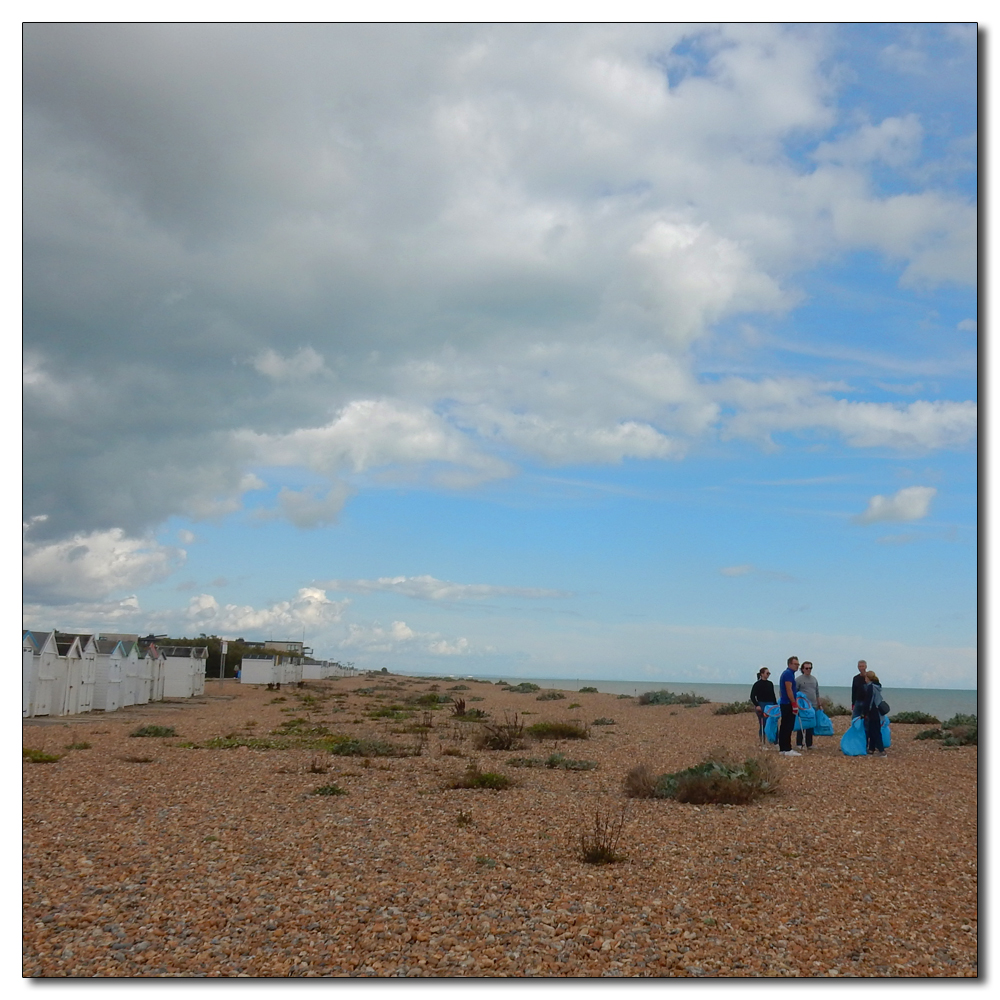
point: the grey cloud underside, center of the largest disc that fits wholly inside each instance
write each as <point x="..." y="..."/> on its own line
<point x="504" y="239"/>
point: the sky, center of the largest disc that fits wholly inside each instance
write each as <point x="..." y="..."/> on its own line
<point x="638" y="352"/>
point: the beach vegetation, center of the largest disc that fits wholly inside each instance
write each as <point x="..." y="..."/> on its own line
<point x="664" y="697"/>
<point x="719" y="778"/>
<point x="464" y="818"/>
<point x="588" y="690"/>
<point x="734" y="708"/>
<point x="525" y="687"/>
<point x="601" y="837"/>
<point x="82" y="745"/>
<point x="569" y="730"/>
<point x="574" y="704"/>
<point x="930" y="734"/>
<point x="473" y="777"/>
<point x="331" y="789"/>
<point x="506" y="735"/>
<point x="915" y="718"/>
<point x="138" y="760"/>
<point x="551" y="696"/>
<point x="154" y="731"/>
<point x="830" y="708"/>
<point x="34" y="756"/>
<point x="603" y="721"/>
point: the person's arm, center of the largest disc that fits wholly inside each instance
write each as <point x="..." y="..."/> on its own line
<point x="790" y="691"/>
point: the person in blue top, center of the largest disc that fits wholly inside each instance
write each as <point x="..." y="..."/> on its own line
<point x="789" y="707"/>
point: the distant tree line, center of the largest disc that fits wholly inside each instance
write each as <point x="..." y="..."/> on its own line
<point x="234" y="654"/>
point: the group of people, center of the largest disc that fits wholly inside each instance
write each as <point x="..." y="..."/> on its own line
<point x="866" y="696"/>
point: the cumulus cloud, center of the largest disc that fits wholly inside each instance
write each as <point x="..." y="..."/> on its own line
<point x="457" y="221"/>
<point x="310" y="609"/>
<point x="375" y="638"/>
<point x="94" y="565"/>
<point x="910" y="504"/>
<point x="428" y="588"/>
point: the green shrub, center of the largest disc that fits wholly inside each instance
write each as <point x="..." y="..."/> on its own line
<point x="622" y="696"/>
<point x="394" y="712"/>
<point x="963" y="730"/>
<point x="525" y="762"/>
<point x="664" y="697"/>
<point x="734" y="708"/>
<point x="474" y="778"/>
<point x="551" y="696"/>
<point x="960" y="719"/>
<point x="465" y="819"/>
<point x="930" y="734"/>
<point x="828" y="706"/>
<point x="368" y="748"/>
<point x="332" y="789"/>
<point x="558" y="731"/>
<point x="459" y="687"/>
<point x="525" y="687"/>
<point x="717" y="779"/>
<point x="573" y="704"/>
<point x="154" y="731"/>
<point x="915" y="718"/>
<point x="78" y="746"/>
<point x="39" y="756"/>
<point x="506" y="735"/>
<point x="599" y="844"/>
<point x="602" y="721"/>
<point x="588" y="690"/>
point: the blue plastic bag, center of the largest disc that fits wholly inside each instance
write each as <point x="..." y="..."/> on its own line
<point x="773" y="714"/>
<point x="806" y="717"/>
<point x="886" y="739"/>
<point x="854" y="743"/>
<point x="824" y="724"/>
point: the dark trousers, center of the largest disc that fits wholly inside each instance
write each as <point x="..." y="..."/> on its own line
<point x="873" y="727"/>
<point x="809" y="737"/>
<point x="785" y="729"/>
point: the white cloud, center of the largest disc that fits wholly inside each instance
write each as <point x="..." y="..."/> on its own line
<point x="774" y="405"/>
<point x="740" y="570"/>
<point x="186" y="537"/>
<point x="87" y="616"/>
<point x="310" y="609"/>
<point x="308" y="508"/>
<point x="303" y="364"/>
<point x="894" y="141"/>
<point x="909" y="504"/>
<point x="429" y="588"/>
<point x="94" y="565"/>
<point x="969" y="325"/>
<point x="375" y="638"/>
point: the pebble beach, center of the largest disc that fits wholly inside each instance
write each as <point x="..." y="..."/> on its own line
<point x="153" y="857"/>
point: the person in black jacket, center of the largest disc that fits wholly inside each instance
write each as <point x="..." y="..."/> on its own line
<point x="761" y="694"/>
<point x="858" y="689"/>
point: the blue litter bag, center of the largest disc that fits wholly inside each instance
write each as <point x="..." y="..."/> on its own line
<point x="854" y="743"/>
<point x="824" y="724"/>
<point x="806" y="717"/>
<point x="771" y="723"/>
<point x="886" y="739"/>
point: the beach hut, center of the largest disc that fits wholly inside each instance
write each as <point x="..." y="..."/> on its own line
<point x="108" y="675"/>
<point x="184" y="671"/>
<point x="153" y="669"/>
<point x="130" y="672"/>
<point x="259" y="668"/>
<point x="39" y="667"/>
<point x="81" y="671"/>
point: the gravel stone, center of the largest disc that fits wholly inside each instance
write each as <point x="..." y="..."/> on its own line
<point x="220" y="863"/>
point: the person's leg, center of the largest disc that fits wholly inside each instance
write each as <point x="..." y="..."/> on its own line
<point x="785" y="729"/>
<point x="809" y="737"/>
<point x="798" y="736"/>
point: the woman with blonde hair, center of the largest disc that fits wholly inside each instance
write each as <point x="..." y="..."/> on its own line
<point x="872" y="715"/>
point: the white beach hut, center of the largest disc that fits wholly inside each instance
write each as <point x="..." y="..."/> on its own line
<point x="184" y="671"/>
<point x="39" y="667"/>
<point x="259" y="668"/>
<point x="108" y="679"/>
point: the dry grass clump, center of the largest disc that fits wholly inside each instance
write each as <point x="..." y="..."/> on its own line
<point x="506" y="735"/>
<point x="733" y="708"/>
<point x="599" y="844"/>
<point x="718" y="779"/>
<point x="154" y="731"/>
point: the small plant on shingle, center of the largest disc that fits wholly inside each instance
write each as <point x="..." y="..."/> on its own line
<point x="734" y="708"/>
<point x="602" y="721"/>
<point x="154" y="731"/>
<point x="559" y="731"/>
<point x="588" y="690"/>
<point x="664" y="697"/>
<point x="574" y="704"/>
<point x="332" y="789"/>
<point x="930" y="734"/>
<point x="828" y="706"/>
<point x="318" y="766"/>
<point x="474" y="778"/>
<point x="138" y="760"/>
<point x="599" y="843"/>
<point x="39" y="756"/>
<point x="640" y="782"/>
<point x="464" y="818"/>
<point x="78" y="746"/>
<point x="458" y="707"/>
<point x="506" y="735"/>
<point x="551" y="696"/>
<point x="721" y="779"/>
<point x="558" y="760"/>
<point x="525" y="687"/>
<point x="451" y="751"/>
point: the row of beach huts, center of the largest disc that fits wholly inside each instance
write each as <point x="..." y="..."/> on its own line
<point x="69" y="673"/>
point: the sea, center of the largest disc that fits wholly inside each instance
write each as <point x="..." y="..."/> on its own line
<point x="940" y="702"/>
